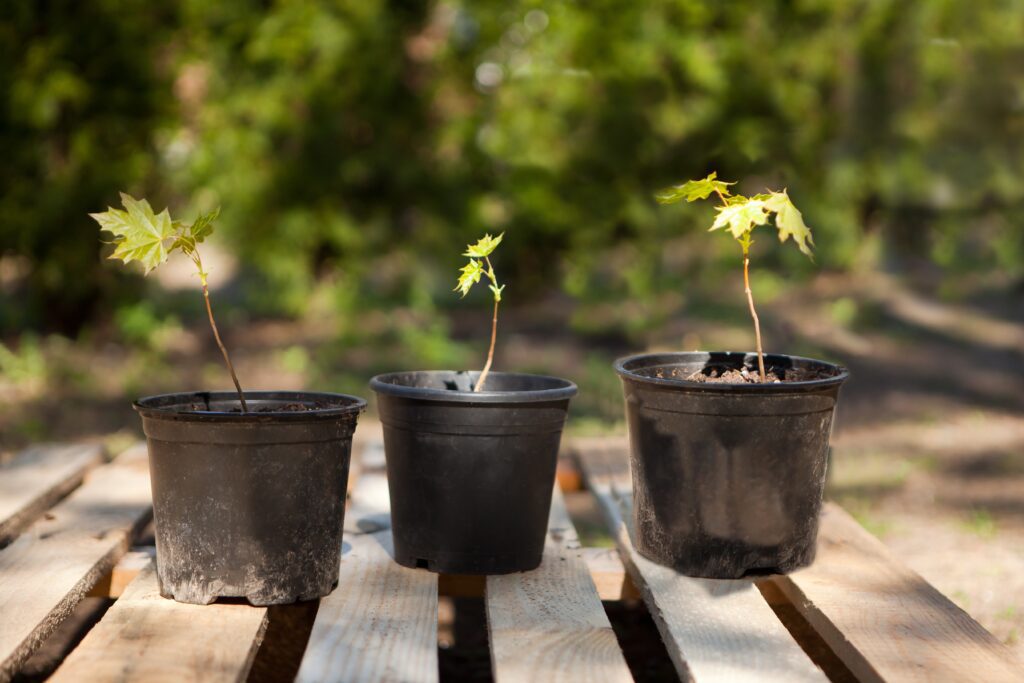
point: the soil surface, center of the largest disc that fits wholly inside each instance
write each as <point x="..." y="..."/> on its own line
<point x="717" y="374"/>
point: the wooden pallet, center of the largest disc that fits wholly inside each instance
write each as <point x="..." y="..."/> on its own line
<point x="69" y="518"/>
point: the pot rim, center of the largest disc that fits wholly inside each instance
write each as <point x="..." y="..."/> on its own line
<point x="164" y="406"/>
<point x="564" y="390"/>
<point x="842" y="374"/>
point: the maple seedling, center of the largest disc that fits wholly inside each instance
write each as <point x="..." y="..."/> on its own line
<point x="142" y="235"/>
<point x="740" y="215"/>
<point x="480" y="254"/>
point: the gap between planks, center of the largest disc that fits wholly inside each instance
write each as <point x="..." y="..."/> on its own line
<point x="880" y="619"/>
<point x="548" y="624"/>
<point x="50" y="567"/>
<point x="883" y="620"/>
<point x="147" y="638"/>
<point x="37" y="478"/>
<point x="380" y="623"/>
<point x="714" y="630"/>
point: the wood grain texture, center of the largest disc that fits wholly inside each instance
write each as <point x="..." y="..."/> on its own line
<point x="150" y="639"/>
<point x="714" y="630"/>
<point x="37" y="478"/>
<point x="380" y="624"/>
<point x="548" y="624"/>
<point x="55" y="562"/>
<point x="883" y="620"/>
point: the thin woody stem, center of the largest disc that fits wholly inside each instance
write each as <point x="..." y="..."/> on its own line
<point x="216" y="333"/>
<point x="490" y="353"/>
<point x="494" y="329"/>
<point x="753" y="313"/>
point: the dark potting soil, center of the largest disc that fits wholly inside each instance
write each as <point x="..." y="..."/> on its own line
<point x="720" y="374"/>
<point x="295" y="407"/>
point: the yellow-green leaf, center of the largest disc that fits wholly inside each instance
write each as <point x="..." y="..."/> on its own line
<point x="692" y="190"/>
<point x="469" y="276"/>
<point x="139" y="233"/>
<point x="742" y="217"/>
<point x="484" y="246"/>
<point x="790" y="222"/>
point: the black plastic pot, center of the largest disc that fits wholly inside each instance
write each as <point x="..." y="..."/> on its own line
<point x="471" y="474"/>
<point x="727" y="478"/>
<point x="249" y="505"/>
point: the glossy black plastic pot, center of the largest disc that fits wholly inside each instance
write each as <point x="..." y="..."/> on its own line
<point x="727" y="478"/>
<point x="249" y="505"/>
<point x="471" y="474"/>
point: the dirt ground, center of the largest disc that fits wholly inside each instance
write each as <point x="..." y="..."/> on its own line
<point x="928" y="446"/>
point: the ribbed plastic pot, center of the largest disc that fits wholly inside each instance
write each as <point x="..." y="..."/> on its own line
<point x="727" y="478"/>
<point x="248" y="505"/>
<point x="471" y="474"/>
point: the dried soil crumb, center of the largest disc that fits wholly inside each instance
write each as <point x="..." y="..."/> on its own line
<point x="730" y="375"/>
<point x="733" y="376"/>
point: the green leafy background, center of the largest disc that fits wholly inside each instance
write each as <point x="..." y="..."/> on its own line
<point x="334" y="131"/>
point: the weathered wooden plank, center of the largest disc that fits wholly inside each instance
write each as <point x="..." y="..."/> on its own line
<point x="37" y="478"/>
<point x="548" y="624"/>
<point x="606" y="570"/>
<point x="380" y="624"/>
<point x="150" y="639"/>
<point x="883" y="620"/>
<point x="49" y="568"/>
<point x="714" y="630"/>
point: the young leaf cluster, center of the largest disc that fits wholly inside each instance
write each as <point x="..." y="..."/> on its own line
<point x="740" y="215"/>
<point x="471" y="273"/>
<point x="142" y="235"/>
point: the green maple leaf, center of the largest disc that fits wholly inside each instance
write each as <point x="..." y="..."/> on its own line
<point x="484" y="246"/>
<point x="790" y="222"/>
<point x="692" y="190"/>
<point x="139" y="233"/>
<point x="469" y="276"/>
<point x="741" y="217"/>
<point x="203" y="225"/>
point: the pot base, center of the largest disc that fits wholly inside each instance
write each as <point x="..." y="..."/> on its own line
<point x="205" y="593"/>
<point x="474" y="565"/>
<point x="717" y="558"/>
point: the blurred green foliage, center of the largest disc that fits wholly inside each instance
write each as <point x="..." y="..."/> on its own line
<point x="84" y="90"/>
<point x="336" y="131"/>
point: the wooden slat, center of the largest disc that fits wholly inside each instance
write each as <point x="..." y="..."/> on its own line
<point x="37" y="478"/>
<point x="714" y="630"/>
<point x="147" y="638"/>
<point x="548" y="624"/>
<point x="883" y="620"/>
<point x="606" y="571"/>
<point x="380" y="624"/>
<point x="55" y="562"/>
